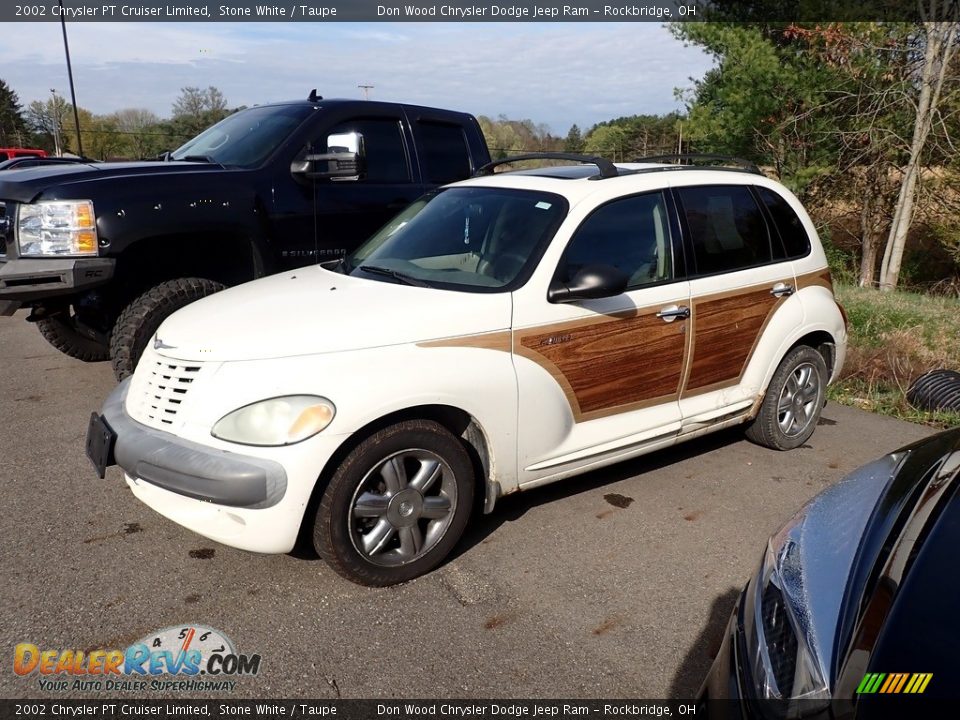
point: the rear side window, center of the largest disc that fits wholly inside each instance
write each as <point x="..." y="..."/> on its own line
<point x="794" y="236"/>
<point x="445" y="155"/>
<point x="726" y="228"/>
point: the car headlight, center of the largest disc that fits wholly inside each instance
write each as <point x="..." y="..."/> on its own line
<point x="277" y="421"/>
<point x="781" y="648"/>
<point x="60" y="227"/>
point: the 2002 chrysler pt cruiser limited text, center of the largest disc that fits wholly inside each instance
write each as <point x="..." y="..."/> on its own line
<point x="500" y="333"/>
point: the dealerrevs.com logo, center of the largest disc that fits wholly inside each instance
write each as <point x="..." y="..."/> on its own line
<point x="198" y="658"/>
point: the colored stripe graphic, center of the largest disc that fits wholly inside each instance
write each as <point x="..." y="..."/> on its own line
<point x="894" y="683"/>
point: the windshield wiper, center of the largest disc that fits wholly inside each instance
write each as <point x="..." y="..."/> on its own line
<point x="395" y="274"/>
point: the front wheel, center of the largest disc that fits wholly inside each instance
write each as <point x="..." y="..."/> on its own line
<point x="397" y="505"/>
<point x="791" y="407"/>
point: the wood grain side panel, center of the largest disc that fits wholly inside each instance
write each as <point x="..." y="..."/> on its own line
<point x="623" y="362"/>
<point x="816" y="278"/>
<point x="486" y="341"/>
<point x="727" y="328"/>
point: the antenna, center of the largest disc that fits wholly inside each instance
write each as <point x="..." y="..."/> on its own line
<point x="366" y="90"/>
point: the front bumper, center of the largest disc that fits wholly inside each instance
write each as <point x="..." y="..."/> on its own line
<point x="721" y="693"/>
<point x="24" y="280"/>
<point x="193" y="484"/>
<point x="188" y="468"/>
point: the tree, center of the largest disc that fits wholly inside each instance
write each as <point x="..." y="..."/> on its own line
<point x="195" y="110"/>
<point x="140" y="129"/>
<point x="606" y="140"/>
<point x="13" y="126"/>
<point x="49" y="119"/>
<point x="574" y="140"/>
<point x="940" y="45"/>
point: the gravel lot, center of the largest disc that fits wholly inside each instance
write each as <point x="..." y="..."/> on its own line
<point x="614" y="584"/>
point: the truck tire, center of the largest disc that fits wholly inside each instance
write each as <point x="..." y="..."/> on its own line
<point x="61" y="331"/>
<point x="142" y="317"/>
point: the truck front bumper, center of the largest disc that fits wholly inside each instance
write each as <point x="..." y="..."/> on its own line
<point x="23" y="280"/>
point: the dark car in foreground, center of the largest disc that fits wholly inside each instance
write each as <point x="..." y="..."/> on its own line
<point x="853" y="612"/>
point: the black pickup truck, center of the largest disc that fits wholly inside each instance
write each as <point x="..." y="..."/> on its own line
<point x="102" y="253"/>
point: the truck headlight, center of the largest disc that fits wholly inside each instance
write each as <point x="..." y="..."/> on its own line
<point x="781" y="649"/>
<point x="278" y="421"/>
<point x="57" y="227"/>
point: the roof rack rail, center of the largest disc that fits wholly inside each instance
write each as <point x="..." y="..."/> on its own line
<point x="695" y="157"/>
<point x="607" y="168"/>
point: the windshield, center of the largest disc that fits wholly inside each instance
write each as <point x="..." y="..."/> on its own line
<point x="463" y="238"/>
<point x="246" y="138"/>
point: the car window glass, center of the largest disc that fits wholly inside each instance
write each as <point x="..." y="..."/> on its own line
<point x="386" y="156"/>
<point x="727" y="229"/>
<point x="445" y="156"/>
<point x="794" y="235"/>
<point x="465" y="238"/>
<point x="631" y="234"/>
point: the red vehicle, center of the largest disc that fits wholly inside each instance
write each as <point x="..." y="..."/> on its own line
<point x="10" y="153"/>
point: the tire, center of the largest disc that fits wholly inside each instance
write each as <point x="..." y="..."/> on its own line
<point x="64" y="333"/>
<point x="793" y="401"/>
<point x="142" y="317"/>
<point x="369" y="527"/>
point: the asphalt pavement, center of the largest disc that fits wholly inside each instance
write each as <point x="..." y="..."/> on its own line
<point x="616" y="584"/>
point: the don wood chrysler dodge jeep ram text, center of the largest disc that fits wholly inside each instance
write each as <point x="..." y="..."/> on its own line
<point x="500" y="333"/>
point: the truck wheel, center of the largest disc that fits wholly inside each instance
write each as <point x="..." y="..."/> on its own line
<point x="793" y="401"/>
<point x="397" y="505"/>
<point x="64" y="333"/>
<point x="142" y="317"/>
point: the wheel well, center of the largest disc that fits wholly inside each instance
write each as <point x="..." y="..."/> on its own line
<point x="459" y="422"/>
<point x="823" y="343"/>
<point x="225" y="258"/>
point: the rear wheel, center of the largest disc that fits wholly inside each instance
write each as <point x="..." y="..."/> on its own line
<point x="142" y="318"/>
<point x="71" y="337"/>
<point x="397" y="505"/>
<point x="792" y="404"/>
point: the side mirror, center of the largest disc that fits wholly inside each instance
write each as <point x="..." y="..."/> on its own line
<point x="590" y="283"/>
<point x="345" y="159"/>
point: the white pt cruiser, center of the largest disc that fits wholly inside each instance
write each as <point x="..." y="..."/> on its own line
<point x="500" y="333"/>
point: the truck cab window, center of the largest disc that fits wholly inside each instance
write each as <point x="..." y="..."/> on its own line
<point x="386" y="154"/>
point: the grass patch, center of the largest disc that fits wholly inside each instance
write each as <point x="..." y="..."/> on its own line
<point x="894" y="338"/>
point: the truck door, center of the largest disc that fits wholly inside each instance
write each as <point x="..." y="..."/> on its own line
<point x="337" y="215"/>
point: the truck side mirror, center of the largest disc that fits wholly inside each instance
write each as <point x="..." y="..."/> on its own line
<point x="345" y="159"/>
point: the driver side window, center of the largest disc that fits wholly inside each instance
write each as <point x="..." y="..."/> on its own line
<point x="631" y="234"/>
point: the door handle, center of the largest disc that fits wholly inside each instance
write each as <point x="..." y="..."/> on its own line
<point x="671" y="313"/>
<point x="781" y="290"/>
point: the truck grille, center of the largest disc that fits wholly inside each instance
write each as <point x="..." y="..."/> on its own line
<point x="159" y="389"/>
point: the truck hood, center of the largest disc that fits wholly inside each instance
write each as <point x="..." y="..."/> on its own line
<point x="26" y="184"/>
<point x="313" y="310"/>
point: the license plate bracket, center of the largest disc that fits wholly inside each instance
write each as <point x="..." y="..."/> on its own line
<point x="101" y="440"/>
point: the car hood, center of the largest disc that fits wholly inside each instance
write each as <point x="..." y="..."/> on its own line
<point x="25" y="184"/>
<point x="313" y="310"/>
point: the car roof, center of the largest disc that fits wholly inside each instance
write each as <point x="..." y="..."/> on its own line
<point x="576" y="182"/>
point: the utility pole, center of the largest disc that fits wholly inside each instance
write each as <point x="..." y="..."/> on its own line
<point x="55" y="116"/>
<point x="73" y="93"/>
<point x="366" y="90"/>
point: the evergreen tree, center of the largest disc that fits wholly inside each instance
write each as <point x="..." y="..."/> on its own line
<point x="13" y="127"/>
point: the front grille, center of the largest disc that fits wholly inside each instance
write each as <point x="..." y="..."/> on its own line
<point x="159" y="388"/>
<point x="780" y="637"/>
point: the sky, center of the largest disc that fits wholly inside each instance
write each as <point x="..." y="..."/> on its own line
<point x="553" y="73"/>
